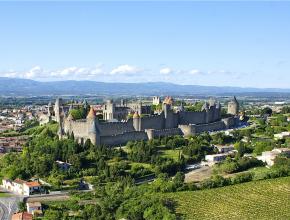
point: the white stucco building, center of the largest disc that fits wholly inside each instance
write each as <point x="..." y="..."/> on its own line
<point x="21" y="187"/>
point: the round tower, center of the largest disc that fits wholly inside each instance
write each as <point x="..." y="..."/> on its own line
<point x="57" y="109"/>
<point x="91" y="115"/>
<point x="137" y="121"/>
<point x="93" y="133"/>
<point x="233" y="107"/>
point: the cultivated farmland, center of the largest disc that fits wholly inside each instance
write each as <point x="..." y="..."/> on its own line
<point x="266" y="199"/>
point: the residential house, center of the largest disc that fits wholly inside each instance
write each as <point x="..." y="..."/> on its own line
<point x="30" y="188"/>
<point x="268" y="157"/>
<point x="63" y="165"/>
<point x="22" y="216"/>
<point x="215" y="158"/>
<point x="34" y="208"/>
<point x="22" y="187"/>
<point x="224" y="148"/>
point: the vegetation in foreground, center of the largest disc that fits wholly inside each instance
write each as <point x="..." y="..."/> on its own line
<point x="265" y="199"/>
<point x="119" y="174"/>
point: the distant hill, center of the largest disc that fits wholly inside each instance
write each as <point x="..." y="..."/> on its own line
<point x="25" y="87"/>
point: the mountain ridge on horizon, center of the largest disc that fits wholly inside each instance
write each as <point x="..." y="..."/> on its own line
<point x="21" y="86"/>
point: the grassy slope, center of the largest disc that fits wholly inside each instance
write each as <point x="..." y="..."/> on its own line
<point x="266" y="199"/>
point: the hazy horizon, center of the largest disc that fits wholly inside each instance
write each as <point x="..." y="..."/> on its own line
<point x="149" y="82"/>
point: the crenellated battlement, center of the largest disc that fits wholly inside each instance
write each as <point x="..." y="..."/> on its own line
<point x="167" y="123"/>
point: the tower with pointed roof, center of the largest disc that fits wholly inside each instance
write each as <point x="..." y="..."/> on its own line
<point x="93" y="133"/>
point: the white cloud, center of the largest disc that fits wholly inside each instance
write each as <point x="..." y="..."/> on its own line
<point x="33" y="72"/>
<point x="30" y="74"/>
<point x="125" y="69"/>
<point x="76" y="72"/>
<point x="11" y="74"/>
<point x="129" y="74"/>
<point x="195" y="72"/>
<point x="64" y="73"/>
<point x="166" y="71"/>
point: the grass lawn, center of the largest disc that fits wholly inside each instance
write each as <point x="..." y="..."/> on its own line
<point x="146" y="165"/>
<point x="265" y="199"/>
<point x="174" y="154"/>
<point x="3" y="194"/>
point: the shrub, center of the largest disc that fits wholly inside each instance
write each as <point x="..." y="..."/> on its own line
<point x="242" y="177"/>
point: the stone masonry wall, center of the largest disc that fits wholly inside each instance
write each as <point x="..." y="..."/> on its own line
<point x="192" y="117"/>
<point x="119" y="139"/>
<point x="154" y="122"/>
<point x="215" y="126"/>
<point x="113" y="128"/>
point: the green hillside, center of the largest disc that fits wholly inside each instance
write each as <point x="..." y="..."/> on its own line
<point x="267" y="199"/>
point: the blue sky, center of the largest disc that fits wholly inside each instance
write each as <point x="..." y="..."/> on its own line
<point x="206" y="43"/>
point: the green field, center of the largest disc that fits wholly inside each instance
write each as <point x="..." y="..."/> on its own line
<point x="2" y="194"/>
<point x="174" y="154"/>
<point x="266" y="199"/>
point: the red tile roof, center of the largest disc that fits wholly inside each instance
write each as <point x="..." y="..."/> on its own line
<point x="19" y="181"/>
<point x="32" y="184"/>
<point x="22" y="216"/>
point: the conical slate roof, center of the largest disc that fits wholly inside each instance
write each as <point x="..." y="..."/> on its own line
<point x="70" y="117"/>
<point x="85" y="103"/>
<point x="235" y="99"/>
<point x="91" y="114"/>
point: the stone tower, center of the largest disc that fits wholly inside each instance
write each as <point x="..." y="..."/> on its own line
<point x="57" y="109"/>
<point x="205" y="108"/>
<point x="233" y="107"/>
<point x="123" y="103"/>
<point x="156" y="100"/>
<point x="137" y="121"/>
<point x="93" y="133"/>
<point x="218" y="111"/>
<point x="168" y="115"/>
<point x="49" y="109"/>
<point x="109" y="110"/>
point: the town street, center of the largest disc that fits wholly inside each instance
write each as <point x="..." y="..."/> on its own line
<point x="8" y="206"/>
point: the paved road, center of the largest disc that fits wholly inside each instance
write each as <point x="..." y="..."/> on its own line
<point x="3" y="212"/>
<point x="8" y="206"/>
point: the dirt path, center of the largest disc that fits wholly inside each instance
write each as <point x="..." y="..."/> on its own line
<point x="198" y="174"/>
